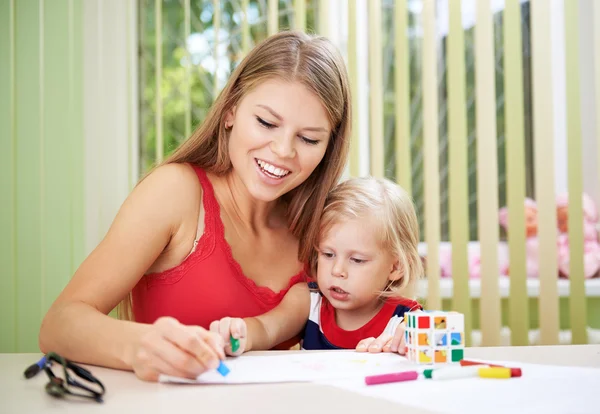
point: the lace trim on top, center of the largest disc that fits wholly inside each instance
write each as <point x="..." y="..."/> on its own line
<point x="205" y="245"/>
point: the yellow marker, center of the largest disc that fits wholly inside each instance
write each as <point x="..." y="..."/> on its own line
<point x="494" y="372"/>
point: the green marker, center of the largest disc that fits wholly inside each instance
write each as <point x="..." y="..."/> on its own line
<point x="235" y="344"/>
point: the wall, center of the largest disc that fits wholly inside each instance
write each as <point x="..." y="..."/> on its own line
<point x="68" y="152"/>
<point x="41" y="161"/>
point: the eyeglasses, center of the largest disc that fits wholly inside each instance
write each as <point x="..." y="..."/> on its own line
<point x="59" y="387"/>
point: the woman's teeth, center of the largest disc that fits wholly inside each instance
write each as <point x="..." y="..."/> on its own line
<point x="271" y="169"/>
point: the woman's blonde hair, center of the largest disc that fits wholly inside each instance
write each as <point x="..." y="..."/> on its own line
<point x="295" y="57"/>
<point x="397" y="225"/>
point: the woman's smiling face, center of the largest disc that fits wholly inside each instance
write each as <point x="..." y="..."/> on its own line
<point x="279" y="134"/>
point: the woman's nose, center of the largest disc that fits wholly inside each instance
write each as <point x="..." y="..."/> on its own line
<point x="283" y="146"/>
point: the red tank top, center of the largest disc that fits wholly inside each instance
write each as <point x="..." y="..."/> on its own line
<point x="209" y="284"/>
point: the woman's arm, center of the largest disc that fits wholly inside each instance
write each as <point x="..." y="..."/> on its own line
<point x="77" y="326"/>
<point x="269" y="329"/>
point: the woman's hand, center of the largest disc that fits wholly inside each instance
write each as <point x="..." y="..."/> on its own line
<point x="385" y="342"/>
<point x="174" y="349"/>
<point x="233" y="332"/>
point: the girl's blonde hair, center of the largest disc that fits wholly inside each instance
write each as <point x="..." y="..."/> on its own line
<point x="397" y="226"/>
<point x="295" y="57"/>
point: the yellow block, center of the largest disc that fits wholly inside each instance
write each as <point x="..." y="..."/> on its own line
<point x="424" y="358"/>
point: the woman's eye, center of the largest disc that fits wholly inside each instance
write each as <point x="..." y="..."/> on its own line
<point x="264" y="123"/>
<point x="310" y="141"/>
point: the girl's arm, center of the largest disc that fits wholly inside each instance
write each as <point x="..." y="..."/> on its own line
<point x="269" y="329"/>
<point x="77" y="326"/>
<point x="281" y="323"/>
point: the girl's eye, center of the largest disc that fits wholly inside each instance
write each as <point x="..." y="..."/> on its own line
<point x="327" y="255"/>
<point x="264" y="123"/>
<point x="310" y="141"/>
<point x="357" y="261"/>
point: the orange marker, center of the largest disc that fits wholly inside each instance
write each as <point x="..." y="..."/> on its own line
<point x="466" y="363"/>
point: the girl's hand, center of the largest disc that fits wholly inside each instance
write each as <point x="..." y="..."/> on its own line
<point x="174" y="349"/>
<point x="385" y="342"/>
<point x="233" y="332"/>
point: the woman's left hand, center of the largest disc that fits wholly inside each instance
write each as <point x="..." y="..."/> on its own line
<point x="385" y="342"/>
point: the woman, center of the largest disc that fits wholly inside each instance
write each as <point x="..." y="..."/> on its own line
<point x="222" y="228"/>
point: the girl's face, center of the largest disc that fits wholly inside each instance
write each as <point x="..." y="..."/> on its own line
<point x="279" y="134"/>
<point x="353" y="268"/>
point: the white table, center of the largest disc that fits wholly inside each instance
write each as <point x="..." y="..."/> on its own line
<point x="127" y="394"/>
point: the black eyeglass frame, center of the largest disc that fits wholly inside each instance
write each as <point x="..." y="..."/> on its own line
<point x="59" y="387"/>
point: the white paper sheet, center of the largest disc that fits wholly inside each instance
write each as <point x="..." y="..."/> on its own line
<point x="300" y="367"/>
<point x="541" y="389"/>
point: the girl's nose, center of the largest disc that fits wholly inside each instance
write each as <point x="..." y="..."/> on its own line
<point x="338" y="270"/>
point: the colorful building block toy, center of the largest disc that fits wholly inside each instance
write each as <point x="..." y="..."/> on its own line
<point x="434" y="336"/>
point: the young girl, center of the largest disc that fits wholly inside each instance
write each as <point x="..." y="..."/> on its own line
<point x="366" y="264"/>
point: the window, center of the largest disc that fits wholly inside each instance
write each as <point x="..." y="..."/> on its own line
<point x="188" y="85"/>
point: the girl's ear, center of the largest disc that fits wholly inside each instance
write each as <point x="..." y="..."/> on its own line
<point x="396" y="272"/>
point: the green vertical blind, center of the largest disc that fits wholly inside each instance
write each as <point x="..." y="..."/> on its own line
<point x="457" y="143"/>
<point x="159" y="146"/>
<point x="402" y="96"/>
<point x="543" y="128"/>
<point x="487" y="173"/>
<point x="431" y="154"/>
<point x="376" y="89"/>
<point x="353" y="79"/>
<point x="300" y="14"/>
<point x="575" y="175"/>
<point x="515" y="167"/>
<point x="41" y="134"/>
<point x="596" y="25"/>
<point x="273" y="19"/>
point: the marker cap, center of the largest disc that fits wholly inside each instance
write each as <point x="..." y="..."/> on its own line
<point x="235" y="344"/>
<point x="222" y="369"/>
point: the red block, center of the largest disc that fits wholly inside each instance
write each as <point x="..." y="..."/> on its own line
<point x="424" y="322"/>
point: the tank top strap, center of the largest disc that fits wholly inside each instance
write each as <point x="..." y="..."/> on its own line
<point x="209" y="202"/>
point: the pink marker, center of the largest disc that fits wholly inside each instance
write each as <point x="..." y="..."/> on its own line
<point x="388" y="378"/>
